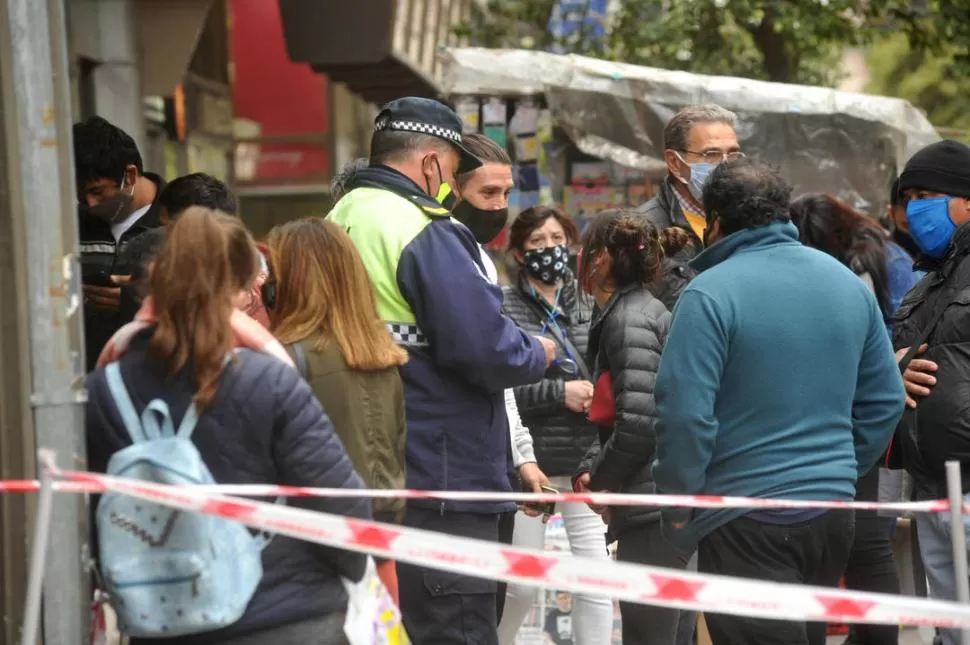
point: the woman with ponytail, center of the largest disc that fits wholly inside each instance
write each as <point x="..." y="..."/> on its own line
<point x="830" y="225"/>
<point x="258" y="423"/>
<point x="622" y="257"/>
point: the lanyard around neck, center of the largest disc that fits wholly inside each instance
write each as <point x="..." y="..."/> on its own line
<point x="551" y="319"/>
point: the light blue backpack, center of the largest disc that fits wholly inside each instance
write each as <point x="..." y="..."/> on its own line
<point x="168" y="572"/>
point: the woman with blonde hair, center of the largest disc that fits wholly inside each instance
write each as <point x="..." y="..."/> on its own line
<point x="321" y="305"/>
<point x="258" y="423"/>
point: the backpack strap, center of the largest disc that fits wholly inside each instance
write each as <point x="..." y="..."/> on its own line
<point x="116" y="385"/>
<point x="156" y="419"/>
<point x="156" y="422"/>
<point x="188" y="422"/>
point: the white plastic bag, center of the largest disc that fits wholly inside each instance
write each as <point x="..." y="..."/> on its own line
<point x="372" y="616"/>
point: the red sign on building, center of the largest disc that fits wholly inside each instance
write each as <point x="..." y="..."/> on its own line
<point x="281" y="107"/>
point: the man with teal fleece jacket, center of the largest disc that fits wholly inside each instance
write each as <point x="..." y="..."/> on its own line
<point x="777" y="381"/>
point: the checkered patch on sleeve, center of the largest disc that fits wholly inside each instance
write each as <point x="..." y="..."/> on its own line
<point x="407" y="335"/>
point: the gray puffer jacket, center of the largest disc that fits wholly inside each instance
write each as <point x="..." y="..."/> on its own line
<point x="560" y="437"/>
<point x="626" y="339"/>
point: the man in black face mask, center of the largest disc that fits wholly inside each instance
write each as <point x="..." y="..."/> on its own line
<point x="116" y="203"/>
<point x="484" y="209"/>
<point x="484" y="205"/>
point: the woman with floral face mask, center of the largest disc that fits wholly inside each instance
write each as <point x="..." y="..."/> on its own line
<point x="543" y="301"/>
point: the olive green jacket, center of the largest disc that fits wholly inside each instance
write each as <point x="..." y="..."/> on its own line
<point x="367" y="411"/>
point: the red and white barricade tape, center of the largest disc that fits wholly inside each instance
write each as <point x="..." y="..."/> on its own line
<point x="602" y="499"/>
<point x="635" y="583"/>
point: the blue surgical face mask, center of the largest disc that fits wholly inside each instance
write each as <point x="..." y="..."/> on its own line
<point x="930" y="225"/>
<point x="699" y="174"/>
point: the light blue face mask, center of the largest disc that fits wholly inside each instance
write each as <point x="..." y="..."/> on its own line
<point x="930" y="225"/>
<point x="699" y="174"/>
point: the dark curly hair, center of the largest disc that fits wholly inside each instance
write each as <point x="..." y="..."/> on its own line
<point x="830" y="225"/>
<point x="745" y="193"/>
<point x="631" y="241"/>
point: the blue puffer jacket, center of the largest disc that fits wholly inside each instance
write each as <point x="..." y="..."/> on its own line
<point x="263" y="427"/>
<point x="902" y="278"/>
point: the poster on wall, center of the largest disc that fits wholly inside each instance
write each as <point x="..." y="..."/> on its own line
<point x="585" y="202"/>
<point x="468" y="108"/>
<point x="590" y="172"/>
<point x="550" y="620"/>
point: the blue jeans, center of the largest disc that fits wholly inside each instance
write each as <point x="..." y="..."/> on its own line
<point x="937" y="553"/>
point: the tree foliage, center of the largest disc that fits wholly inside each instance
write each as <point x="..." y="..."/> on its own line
<point x="777" y="40"/>
<point x="928" y="81"/>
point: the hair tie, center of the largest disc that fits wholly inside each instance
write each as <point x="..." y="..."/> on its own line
<point x="641" y="247"/>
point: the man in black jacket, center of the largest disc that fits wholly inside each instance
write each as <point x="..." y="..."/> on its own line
<point x="697" y="139"/>
<point x="935" y="187"/>
<point x="116" y="203"/>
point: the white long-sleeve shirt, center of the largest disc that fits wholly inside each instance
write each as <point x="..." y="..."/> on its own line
<point x="523" y="451"/>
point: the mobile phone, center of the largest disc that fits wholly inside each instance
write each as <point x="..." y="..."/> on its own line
<point x="97" y="277"/>
<point x="546" y="508"/>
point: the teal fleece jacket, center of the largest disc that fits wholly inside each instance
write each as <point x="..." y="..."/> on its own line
<point x="777" y="381"/>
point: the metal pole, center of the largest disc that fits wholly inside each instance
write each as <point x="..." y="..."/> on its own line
<point x="38" y="560"/>
<point x="38" y="138"/>
<point x="958" y="535"/>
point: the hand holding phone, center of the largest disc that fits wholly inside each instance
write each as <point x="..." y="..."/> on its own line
<point x="543" y="508"/>
<point x="97" y="278"/>
<point x="102" y="289"/>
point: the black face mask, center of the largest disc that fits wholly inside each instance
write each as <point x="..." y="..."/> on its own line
<point x="116" y="208"/>
<point x="484" y="225"/>
<point x="548" y="265"/>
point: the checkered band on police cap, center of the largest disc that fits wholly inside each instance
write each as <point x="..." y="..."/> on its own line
<point x="415" y="126"/>
<point x="428" y="117"/>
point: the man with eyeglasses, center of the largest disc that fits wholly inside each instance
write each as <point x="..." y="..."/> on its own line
<point x="696" y="140"/>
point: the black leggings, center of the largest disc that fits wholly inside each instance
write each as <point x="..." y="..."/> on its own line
<point x="871" y="566"/>
<point x="506" y="529"/>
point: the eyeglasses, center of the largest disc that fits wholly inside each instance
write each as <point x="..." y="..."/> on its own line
<point x="715" y="156"/>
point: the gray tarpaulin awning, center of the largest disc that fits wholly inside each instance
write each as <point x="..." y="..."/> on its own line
<point x="823" y="140"/>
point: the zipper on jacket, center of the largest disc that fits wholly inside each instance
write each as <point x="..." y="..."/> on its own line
<point x="163" y="581"/>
